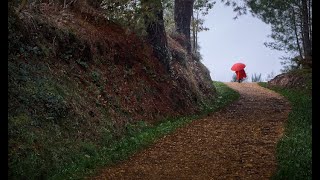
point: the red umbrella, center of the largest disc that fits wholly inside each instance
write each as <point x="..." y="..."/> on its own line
<point x="238" y="66"/>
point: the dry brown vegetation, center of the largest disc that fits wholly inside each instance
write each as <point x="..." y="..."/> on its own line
<point x="76" y="78"/>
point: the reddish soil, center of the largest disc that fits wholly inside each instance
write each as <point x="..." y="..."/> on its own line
<point x="237" y="142"/>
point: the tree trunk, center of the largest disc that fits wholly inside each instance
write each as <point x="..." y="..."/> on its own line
<point x="183" y="10"/>
<point x="197" y="30"/>
<point x="156" y="33"/>
<point x="194" y="30"/>
<point x="310" y="20"/>
<point x="296" y="32"/>
<point x="305" y="31"/>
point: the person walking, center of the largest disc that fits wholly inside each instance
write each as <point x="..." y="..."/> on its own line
<point x="241" y="74"/>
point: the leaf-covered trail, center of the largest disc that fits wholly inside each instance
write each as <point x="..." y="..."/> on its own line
<point x="237" y="142"/>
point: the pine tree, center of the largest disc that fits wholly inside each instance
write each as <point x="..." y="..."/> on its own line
<point x="291" y="24"/>
<point x="183" y="10"/>
<point x="156" y="33"/>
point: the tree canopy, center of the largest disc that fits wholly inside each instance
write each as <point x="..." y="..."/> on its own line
<point x="291" y="25"/>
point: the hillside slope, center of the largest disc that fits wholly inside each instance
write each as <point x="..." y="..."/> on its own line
<point x="76" y="83"/>
<point x="300" y="79"/>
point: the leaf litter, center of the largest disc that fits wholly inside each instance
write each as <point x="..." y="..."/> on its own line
<point x="237" y="142"/>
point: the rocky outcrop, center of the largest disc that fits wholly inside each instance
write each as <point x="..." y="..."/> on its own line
<point x="298" y="79"/>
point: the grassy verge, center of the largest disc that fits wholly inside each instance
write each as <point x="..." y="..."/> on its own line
<point x="140" y="136"/>
<point x="294" y="150"/>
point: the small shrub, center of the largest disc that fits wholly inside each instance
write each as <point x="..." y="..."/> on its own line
<point x="55" y="105"/>
<point x="88" y="149"/>
<point x="83" y="64"/>
<point x="133" y="128"/>
<point x="96" y="77"/>
<point x="256" y="78"/>
<point x="234" y="78"/>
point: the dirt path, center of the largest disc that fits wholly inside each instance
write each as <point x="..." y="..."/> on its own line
<point x="237" y="142"/>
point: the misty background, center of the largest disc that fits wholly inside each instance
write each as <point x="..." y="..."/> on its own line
<point x="230" y="41"/>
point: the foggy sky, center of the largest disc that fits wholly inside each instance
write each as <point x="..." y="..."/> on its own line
<point x="229" y="41"/>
